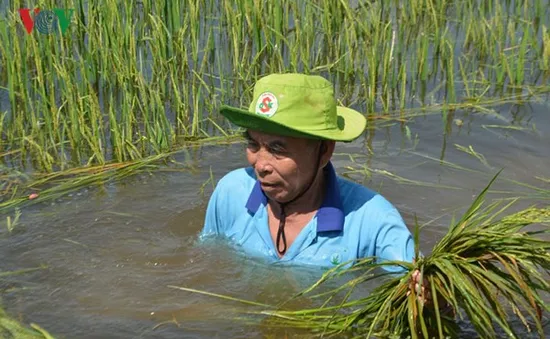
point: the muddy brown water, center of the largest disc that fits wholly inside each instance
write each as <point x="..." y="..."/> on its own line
<point x="110" y="253"/>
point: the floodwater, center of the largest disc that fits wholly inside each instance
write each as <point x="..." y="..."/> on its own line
<point x="111" y="253"/>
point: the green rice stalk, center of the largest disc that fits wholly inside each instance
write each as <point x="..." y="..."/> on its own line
<point x="470" y="150"/>
<point x="480" y="266"/>
<point x="91" y="96"/>
<point x="11" y="328"/>
<point x="545" y="62"/>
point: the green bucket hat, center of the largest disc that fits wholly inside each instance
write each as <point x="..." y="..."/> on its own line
<point x="297" y="105"/>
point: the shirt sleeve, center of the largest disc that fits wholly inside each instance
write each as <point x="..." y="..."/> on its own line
<point x="384" y="235"/>
<point x="393" y="239"/>
<point x="222" y="209"/>
<point x="212" y="220"/>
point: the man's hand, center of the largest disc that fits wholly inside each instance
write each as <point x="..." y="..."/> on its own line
<point x="423" y="293"/>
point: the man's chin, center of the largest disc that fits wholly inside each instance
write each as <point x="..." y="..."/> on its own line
<point x="276" y="195"/>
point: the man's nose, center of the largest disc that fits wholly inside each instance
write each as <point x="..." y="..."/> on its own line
<point x="263" y="162"/>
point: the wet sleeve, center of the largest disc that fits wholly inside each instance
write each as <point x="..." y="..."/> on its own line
<point x="213" y="221"/>
<point x="387" y="238"/>
<point x="394" y="240"/>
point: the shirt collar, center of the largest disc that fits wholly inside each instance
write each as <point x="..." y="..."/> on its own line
<point x="330" y="216"/>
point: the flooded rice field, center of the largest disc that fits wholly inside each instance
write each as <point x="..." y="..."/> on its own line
<point x="109" y="254"/>
<point x="105" y="260"/>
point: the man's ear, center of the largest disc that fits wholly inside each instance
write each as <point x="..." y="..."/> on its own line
<point x="327" y="149"/>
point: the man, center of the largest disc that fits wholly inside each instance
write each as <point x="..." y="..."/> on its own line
<point x="289" y="205"/>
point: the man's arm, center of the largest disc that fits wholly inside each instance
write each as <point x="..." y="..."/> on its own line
<point x="212" y="221"/>
<point x="394" y="240"/>
<point x="223" y="206"/>
<point x="383" y="233"/>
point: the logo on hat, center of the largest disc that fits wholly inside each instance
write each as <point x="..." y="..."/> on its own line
<point x="266" y="104"/>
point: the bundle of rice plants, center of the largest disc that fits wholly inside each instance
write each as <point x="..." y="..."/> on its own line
<point x="486" y="269"/>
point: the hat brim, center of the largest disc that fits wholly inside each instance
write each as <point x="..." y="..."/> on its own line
<point x="351" y="124"/>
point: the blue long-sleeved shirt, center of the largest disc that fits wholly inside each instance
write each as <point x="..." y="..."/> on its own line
<point x="353" y="222"/>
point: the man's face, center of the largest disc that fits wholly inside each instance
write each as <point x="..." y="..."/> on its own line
<point x="283" y="165"/>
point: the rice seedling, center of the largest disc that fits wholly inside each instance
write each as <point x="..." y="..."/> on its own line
<point x="11" y="224"/>
<point x="488" y="268"/>
<point x="470" y="150"/>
